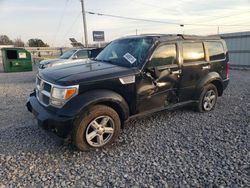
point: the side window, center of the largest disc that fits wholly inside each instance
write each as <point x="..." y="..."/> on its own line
<point x="215" y="50"/>
<point x="164" y="55"/>
<point x="193" y="52"/>
<point x="82" y="54"/>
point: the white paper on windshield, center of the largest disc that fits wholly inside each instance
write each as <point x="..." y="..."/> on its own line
<point x="131" y="59"/>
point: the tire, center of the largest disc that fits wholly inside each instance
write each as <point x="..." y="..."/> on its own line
<point x="98" y="127"/>
<point x="208" y="98"/>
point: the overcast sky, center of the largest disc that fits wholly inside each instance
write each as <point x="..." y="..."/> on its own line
<point x="55" y="21"/>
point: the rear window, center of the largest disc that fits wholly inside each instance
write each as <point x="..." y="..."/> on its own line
<point x="215" y="50"/>
<point x="193" y="52"/>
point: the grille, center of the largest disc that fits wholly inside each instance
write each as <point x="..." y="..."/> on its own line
<point x="43" y="91"/>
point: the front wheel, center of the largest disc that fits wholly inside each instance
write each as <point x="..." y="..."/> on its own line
<point x="98" y="127"/>
<point x="208" y="98"/>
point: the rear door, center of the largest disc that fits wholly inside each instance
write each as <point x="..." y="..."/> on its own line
<point x="217" y="53"/>
<point x="195" y="66"/>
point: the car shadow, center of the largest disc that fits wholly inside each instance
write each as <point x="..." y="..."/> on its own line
<point x="31" y="138"/>
<point x="27" y="138"/>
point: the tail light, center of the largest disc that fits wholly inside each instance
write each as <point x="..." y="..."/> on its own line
<point x="227" y="70"/>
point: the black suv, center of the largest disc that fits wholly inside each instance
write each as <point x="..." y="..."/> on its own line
<point x="132" y="76"/>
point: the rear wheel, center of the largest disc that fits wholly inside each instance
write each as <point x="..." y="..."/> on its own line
<point x="208" y="98"/>
<point x="97" y="128"/>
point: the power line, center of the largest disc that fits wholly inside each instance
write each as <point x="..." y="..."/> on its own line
<point x="206" y="4"/>
<point x="130" y="18"/>
<point x="226" y="16"/>
<point x="71" y="26"/>
<point x="155" y="6"/>
<point x="183" y="2"/>
<point x="60" y="20"/>
<point x="157" y="21"/>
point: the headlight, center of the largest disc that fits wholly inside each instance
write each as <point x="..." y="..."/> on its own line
<point x="61" y="95"/>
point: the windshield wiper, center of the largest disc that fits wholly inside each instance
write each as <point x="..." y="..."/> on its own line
<point x="102" y="60"/>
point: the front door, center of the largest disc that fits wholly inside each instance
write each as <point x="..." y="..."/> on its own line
<point x="157" y="85"/>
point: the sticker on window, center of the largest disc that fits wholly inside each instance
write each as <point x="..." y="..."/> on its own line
<point x="131" y="59"/>
<point x="22" y="55"/>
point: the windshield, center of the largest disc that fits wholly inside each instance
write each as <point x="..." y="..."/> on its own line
<point x="126" y="52"/>
<point x="67" y="55"/>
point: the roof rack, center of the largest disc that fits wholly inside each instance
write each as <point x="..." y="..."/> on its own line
<point x="179" y="36"/>
<point x="196" y="37"/>
<point x="157" y="34"/>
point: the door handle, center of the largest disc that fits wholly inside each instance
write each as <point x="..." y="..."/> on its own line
<point x="176" y="72"/>
<point x="206" y="67"/>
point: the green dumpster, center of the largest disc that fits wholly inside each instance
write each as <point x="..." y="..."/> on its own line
<point x="16" y="60"/>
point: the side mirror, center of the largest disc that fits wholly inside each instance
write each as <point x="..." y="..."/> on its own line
<point x="153" y="71"/>
<point x="162" y="75"/>
<point x="156" y="75"/>
<point x="75" y="57"/>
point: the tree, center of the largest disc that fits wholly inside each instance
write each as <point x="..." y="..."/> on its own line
<point x="37" y="43"/>
<point x="18" y="42"/>
<point x="5" y="40"/>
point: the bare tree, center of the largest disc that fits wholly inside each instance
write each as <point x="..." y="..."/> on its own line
<point x="18" y="42"/>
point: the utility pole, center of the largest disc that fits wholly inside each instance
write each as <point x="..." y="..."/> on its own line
<point x="218" y="30"/>
<point x="136" y="32"/>
<point x="84" y="24"/>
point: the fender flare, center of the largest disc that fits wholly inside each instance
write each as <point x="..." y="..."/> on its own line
<point x="77" y="105"/>
<point x="212" y="77"/>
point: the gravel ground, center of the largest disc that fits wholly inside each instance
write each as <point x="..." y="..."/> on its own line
<point x="181" y="148"/>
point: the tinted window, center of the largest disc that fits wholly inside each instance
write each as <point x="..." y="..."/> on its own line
<point x="164" y="55"/>
<point x="82" y="54"/>
<point x="95" y="52"/>
<point x="215" y="50"/>
<point x="193" y="52"/>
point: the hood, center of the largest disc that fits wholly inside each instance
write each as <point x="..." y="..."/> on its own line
<point x="83" y="72"/>
<point x="48" y="61"/>
<point x="57" y="62"/>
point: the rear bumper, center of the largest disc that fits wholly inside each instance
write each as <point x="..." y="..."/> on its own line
<point x="49" y="120"/>
<point x="225" y="83"/>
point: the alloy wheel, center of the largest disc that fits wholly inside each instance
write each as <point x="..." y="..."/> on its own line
<point x="100" y="131"/>
<point x="209" y="100"/>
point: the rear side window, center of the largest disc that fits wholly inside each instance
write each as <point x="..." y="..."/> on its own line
<point x="215" y="50"/>
<point x="95" y="52"/>
<point x="193" y="52"/>
<point x="164" y="55"/>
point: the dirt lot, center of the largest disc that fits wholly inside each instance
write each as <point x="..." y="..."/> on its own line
<point x="181" y="148"/>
